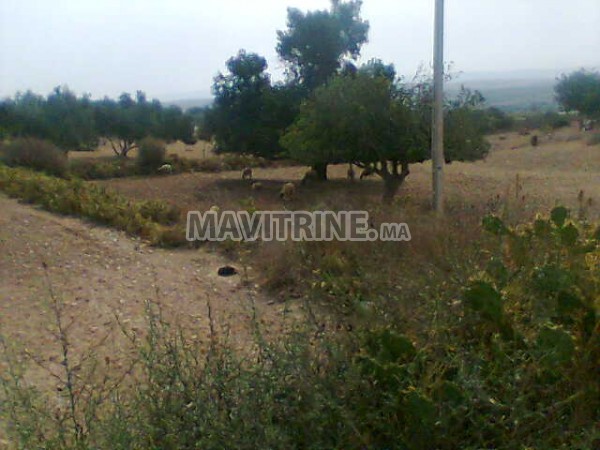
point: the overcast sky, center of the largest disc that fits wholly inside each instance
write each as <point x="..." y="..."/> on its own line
<point x="172" y="48"/>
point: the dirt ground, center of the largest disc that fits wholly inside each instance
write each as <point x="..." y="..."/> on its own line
<point x="98" y="274"/>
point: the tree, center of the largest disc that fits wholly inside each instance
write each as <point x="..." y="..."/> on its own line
<point x="70" y="120"/>
<point x="127" y="121"/>
<point x="249" y="115"/>
<point x="319" y="44"/>
<point x="61" y="118"/>
<point x="373" y="123"/>
<point x="579" y="91"/>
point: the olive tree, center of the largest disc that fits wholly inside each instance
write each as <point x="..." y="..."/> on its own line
<point x="370" y="121"/>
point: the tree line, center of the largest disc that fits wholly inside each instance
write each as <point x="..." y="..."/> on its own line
<point x="77" y="123"/>
<point x="328" y="110"/>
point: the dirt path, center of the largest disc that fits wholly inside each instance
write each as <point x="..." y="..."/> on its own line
<point x="98" y="274"/>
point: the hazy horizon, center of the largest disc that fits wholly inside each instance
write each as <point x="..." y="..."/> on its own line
<point x="174" y="49"/>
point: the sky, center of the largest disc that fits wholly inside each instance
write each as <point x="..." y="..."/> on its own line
<point x="172" y="49"/>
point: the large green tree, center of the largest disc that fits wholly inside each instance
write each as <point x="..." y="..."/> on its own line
<point x="368" y="120"/>
<point x="249" y="114"/>
<point x="579" y="91"/>
<point x="318" y="44"/>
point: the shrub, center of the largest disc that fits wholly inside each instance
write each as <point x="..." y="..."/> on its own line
<point x="35" y="154"/>
<point x="151" y="153"/>
<point x="95" y="169"/>
<point x="148" y="219"/>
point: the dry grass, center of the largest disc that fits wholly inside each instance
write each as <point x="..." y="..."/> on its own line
<point x="200" y="150"/>
<point x="514" y="175"/>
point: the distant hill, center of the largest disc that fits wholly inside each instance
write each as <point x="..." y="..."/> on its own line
<point x="512" y="95"/>
<point x="187" y="103"/>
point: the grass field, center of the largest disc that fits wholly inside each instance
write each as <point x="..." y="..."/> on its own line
<point x="101" y="286"/>
<point x="527" y="178"/>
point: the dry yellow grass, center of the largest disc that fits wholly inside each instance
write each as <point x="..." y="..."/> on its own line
<point x="515" y="175"/>
<point x="200" y="150"/>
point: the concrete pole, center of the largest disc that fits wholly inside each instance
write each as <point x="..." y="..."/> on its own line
<point x="437" y="144"/>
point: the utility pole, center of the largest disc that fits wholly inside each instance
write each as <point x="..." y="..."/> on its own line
<point x="437" y="140"/>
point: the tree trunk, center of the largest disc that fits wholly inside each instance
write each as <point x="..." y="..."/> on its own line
<point x="321" y="170"/>
<point x="392" y="181"/>
<point x="391" y="184"/>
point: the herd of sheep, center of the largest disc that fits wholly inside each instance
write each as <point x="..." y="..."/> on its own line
<point x="288" y="190"/>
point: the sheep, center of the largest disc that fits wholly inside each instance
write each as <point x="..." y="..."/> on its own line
<point x="247" y="173"/>
<point x="214" y="208"/>
<point x="256" y="186"/>
<point x="288" y="191"/>
<point x="350" y="173"/>
<point x="165" y="168"/>
<point x="366" y="172"/>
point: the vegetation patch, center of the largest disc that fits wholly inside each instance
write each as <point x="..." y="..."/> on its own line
<point x="507" y="360"/>
<point x="35" y="154"/>
<point x="150" y="220"/>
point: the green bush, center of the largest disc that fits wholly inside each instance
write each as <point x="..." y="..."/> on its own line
<point x="94" y="169"/>
<point x="151" y="154"/>
<point x="35" y="154"/>
<point x="147" y="219"/>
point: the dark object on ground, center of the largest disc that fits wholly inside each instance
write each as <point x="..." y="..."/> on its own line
<point x="534" y="140"/>
<point x="226" y="271"/>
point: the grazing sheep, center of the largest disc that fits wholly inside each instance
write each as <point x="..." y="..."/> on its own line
<point x="256" y="185"/>
<point x="311" y="175"/>
<point x="214" y="208"/>
<point x="165" y="168"/>
<point x="247" y="173"/>
<point x="350" y="173"/>
<point x="288" y="191"/>
<point x="367" y="172"/>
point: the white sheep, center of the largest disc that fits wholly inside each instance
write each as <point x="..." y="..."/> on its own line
<point x="247" y="173"/>
<point x="288" y="191"/>
<point x="165" y="168"/>
<point x="214" y="208"/>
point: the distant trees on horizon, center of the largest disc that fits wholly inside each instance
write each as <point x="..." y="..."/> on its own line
<point x="76" y="123"/>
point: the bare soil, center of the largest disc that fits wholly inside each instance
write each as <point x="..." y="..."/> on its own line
<point x="99" y="275"/>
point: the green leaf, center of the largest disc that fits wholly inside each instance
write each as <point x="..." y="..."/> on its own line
<point x="556" y="345"/>
<point x="558" y="215"/>
<point x="388" y="346"/>
<point x="493" y="224"/>
<point x="418" y="408"/>
<point x="568" y="235"/>
<point x="483" y="298"/>
<point x="450" y="392"/>
<point x="567" y="302"/>
<point x="551" y="279"/>
<point x="498" y="271"/>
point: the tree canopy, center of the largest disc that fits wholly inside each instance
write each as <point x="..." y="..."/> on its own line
<point x="579" y="91"/>
<point x="372" y="122"/>
<point x="316" y="43"/>
<point x="249" y="114"/>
